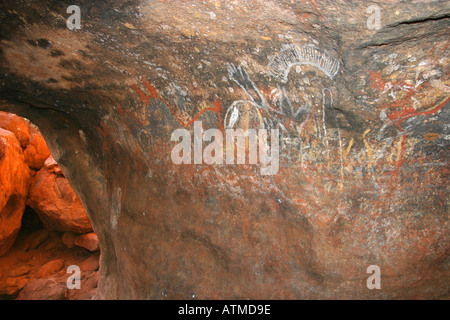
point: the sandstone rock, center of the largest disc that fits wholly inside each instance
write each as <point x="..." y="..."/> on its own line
<point x="361" y="106"/>
<point x="12" y="286"/>
<point x="68" y="239"/>
<point x="36" y="152"/>
<point x="20" y="271"/>
<point x="17" y="125"/>
<point x="50" y="163"/>
<point x="35" y="239"/>
<point x="90" y="264"/>
<point x="53" y="243"/>
<point x="88" y="288"/>
<point x="25" y="257"/>
<point x="43" y="289"/>
<point x="14" y="185"/>
<point x="52" y="166"/>
<point x="58" y="207"/>
<point x="49" y="268"/>
<point x="88" y="241"/>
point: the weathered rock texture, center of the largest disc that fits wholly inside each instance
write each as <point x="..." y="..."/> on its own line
<point x="14" y="184"/>
<point x="36" y="268"/>
<point x="45" y="191"/>
<point x="36" y="152"/>
<point x="58" y="207"/>
<point x="363" y="119"/>
<point x="17" y="125"/>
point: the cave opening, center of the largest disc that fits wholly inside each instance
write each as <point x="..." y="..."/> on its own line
<point x="44" y="228"/>
<point x="30" y="222"/>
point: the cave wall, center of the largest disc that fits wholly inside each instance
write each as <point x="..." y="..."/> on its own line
<point x="363" y="119"/>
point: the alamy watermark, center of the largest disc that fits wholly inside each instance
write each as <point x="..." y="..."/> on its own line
<point x="374" y="281"/>
<point x="258" y="142"/>
<point x="74" y="281"/>
<point x="374" y="20"/>
<point x="74" y="21"/>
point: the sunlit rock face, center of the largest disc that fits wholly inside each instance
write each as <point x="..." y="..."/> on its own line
<point x="14" y="183"/>
<point x="31" y="176"/>
<point x="57" y="206"/>
<point x="34" y="194"/>
<point x="360" y="105"/>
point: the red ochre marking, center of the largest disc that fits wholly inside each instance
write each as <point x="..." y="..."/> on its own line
<point x="155" y="95"/>
<point x="407" y="112"/>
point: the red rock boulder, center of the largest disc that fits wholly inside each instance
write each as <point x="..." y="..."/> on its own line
<point x="37" y="151"/>
<point x="14" y="185"/>
<point x="52" y="166"/>
<point x="88" y="241"/>
<point x="17" y="125"/>
<point x="57" y="205"/>
<point x="43" y="289"/>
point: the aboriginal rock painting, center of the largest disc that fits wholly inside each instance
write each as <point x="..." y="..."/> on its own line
<point x="301" y="118"/>
<point x="408" y="117"/>
<point x="156" y="108"/>
<point x="299" y="99"/>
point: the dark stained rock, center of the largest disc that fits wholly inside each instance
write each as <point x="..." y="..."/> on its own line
<point x="362" y="112"/>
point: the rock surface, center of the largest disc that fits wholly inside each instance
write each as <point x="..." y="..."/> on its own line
<point x="43" y="289"/>
<point x="60" y="208"/>
<point x="35" y="239"/>
<point x="41" y="273"/>
<point x="14" y="184"/>
<point x="17" y="125"/>
<point x="362" y="109"/>
<point x="36" y="153"/>
<point x="20" y="271"/>
<point x="52" y="166"/>
<point x="68" y="239"/>
<point x="88" y="241"/>
<point x="50" y="268"/>
<point x="57" y="205"/>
